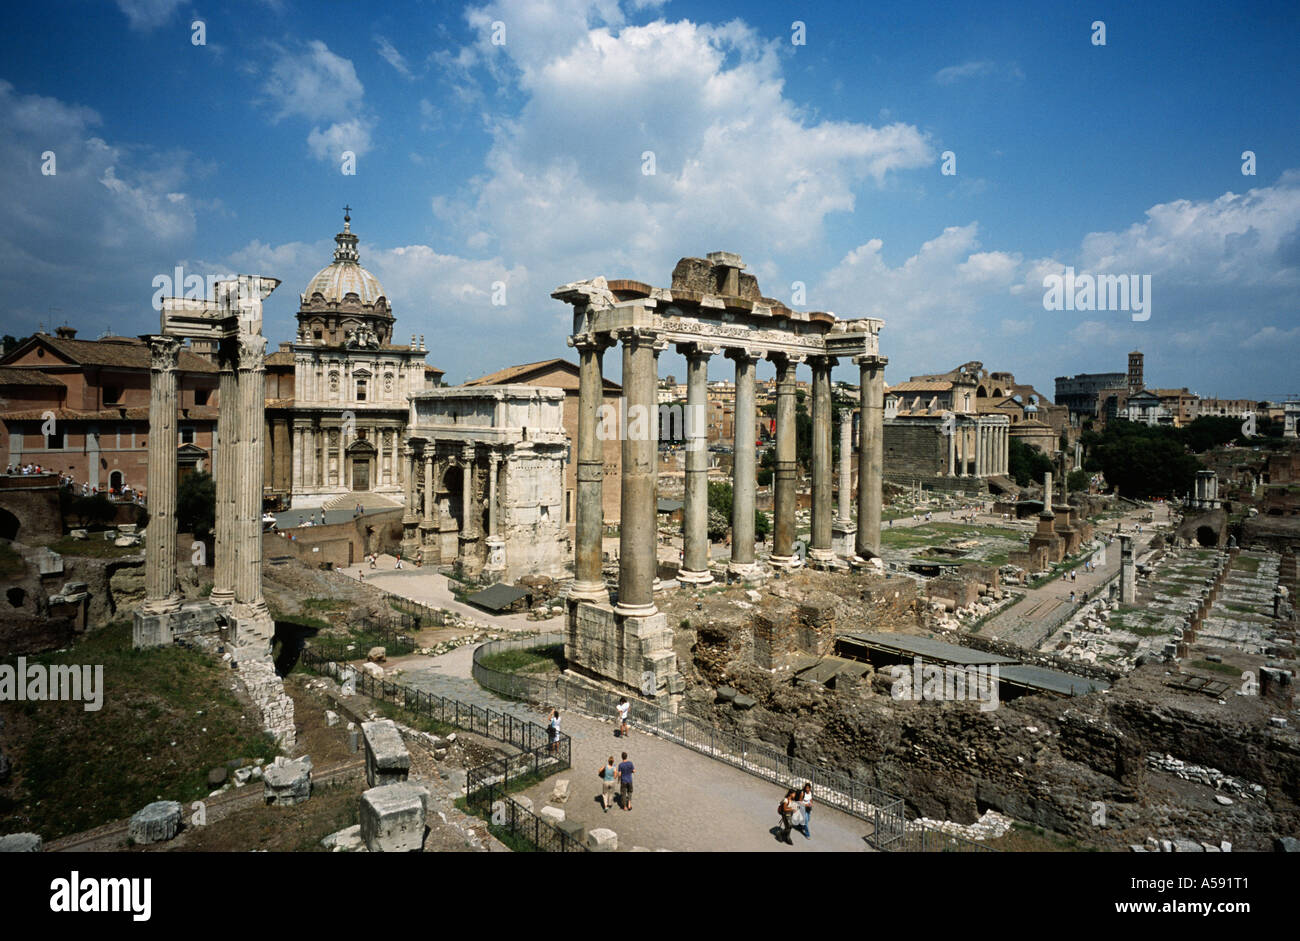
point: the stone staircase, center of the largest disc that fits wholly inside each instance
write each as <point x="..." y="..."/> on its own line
<point x="371" y="501"/>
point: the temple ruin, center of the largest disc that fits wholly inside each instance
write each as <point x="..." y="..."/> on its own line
<point x="712" y="308"/>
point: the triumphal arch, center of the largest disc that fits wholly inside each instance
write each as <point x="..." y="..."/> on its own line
<point x="713" y="308"/>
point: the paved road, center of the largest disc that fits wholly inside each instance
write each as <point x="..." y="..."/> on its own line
<point x="683" y="800"/>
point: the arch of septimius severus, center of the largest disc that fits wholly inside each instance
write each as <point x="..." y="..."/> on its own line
<point x="713" y="308"/>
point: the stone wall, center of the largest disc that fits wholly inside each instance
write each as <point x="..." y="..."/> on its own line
<point x="914" y="449"/>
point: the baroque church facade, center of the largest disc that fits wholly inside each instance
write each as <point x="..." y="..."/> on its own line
<point x="342" y="429"/>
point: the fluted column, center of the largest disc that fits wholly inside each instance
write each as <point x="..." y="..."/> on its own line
<point x="821" y="460"/>
<point x="160" y="545"/>
<point x="695" y="552"/>
<point x="871" y="453"/>
<point x="343" y="444"/>
<point x="494" y="463"/>
<point x="248" y="494"/>
<point x="428" y="486"/>
<point x="845" y="515"/>
<point x="638" y="524"/>
<point x="228" y="432"/>
<point x="952" y="449"/>
<point x="786" y="464"/>
<point x="297" y="458"/>
<point x="743" y="465"/>
<point x="589" y="522"/>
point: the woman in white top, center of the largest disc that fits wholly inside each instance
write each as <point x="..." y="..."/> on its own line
<point x="805" y="800"/>
<point x="623" y="707"/>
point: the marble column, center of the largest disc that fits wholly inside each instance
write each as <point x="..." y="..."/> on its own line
<point x="844" y="530"/>
<point x="743" y="466"/>
<point x="589" y="522"/>
<point x="428" y="491"/>
<point x="248" y="494"/>
<point x="871" y="453"/>
<point x="638" y="526"/>
<point x="494" y="464"/>
<point x="297" y="458"/>
<point x="161" y="596"/>
<point x="952" y="449"/>
<point x="343" y="444"/>
<point x="981" y="448"/>
<point x="786" y="464"/>
<point x="821" y="460"/>
<point x="695" y="553"/>
<point x="228" y="432"/>
<point x="470" y="525"/>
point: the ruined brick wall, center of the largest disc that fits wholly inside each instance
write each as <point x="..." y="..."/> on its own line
<point x="914" y="448"/>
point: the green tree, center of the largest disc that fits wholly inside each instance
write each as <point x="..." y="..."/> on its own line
<point x="720" y="503"/>
<point x="196" y="504"/>
<point x="1146" y="461"/>
<point x="95" y="510"/>
<point x="1026" y="464"/>
<point x="1078" y="480"/>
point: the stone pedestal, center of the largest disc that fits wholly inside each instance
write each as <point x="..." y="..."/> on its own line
<point x="636" y="652"/>
<point x="393" y="818"/>
<point x="495" y="567"/>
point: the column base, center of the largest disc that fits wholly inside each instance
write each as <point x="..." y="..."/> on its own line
<point x="223" y="598"/>
<point x="821" y="555"/>
<point x="745" y="571"/>
<point x="593" y="592"/>
<point x="687" y="577"/>
<point x="636" y="610"/>
<point x="844" y="539"/>
<point x="160" y="606"/>
<point x="785" y="561"/>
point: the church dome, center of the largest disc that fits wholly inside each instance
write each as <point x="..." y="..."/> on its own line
<point x="345" y="275"/>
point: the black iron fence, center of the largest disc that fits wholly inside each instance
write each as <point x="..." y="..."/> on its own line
<point x="487" y="785"/>
<point x="884" y="811"/>
<point x="920" y="838"/>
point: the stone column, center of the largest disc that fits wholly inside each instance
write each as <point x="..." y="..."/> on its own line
<point x="428" y="489"/>
<point x="160" y="544"/>
<point x="952" y="449"/>
<point x="821" y="460"/>
<point x="494" y="463"/>
<point x="228" y="432"/>
<point x="638" y="525"/>
<point x="786" y="464"/>
<point x="871" y="454"/>
<point x="470" y="523"/>
<point x="743" y="466"/>
<point x="1127" y="571"/>
<point x="695" y="531"/>
<point x="1047" y="494"/>
<point x="844" y="531"/>
<point x="981" y="448"/>
<point x="410" y="519"/>
<point x="343" y="445"/>
<point x="589" y="522"/>
<point x="248" y="494"/>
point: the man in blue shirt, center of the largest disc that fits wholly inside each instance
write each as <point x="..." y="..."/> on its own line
<point x="625" y="770"/>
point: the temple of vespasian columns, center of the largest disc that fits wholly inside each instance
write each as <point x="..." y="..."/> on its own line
<point x="236" y="607"/>
<point x="712" y="308"/>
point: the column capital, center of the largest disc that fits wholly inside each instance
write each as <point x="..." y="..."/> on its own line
<point x="739" y="353"/>
<point x="822" y="362"/>
<point x="698" y="350"/>
<point x="790" y="359"/>
<point x="591" y="342"/>
<point x="872" y="360"/>
<point x="466" y="454"/>
<point x="640" y="337"/>
<point x="164" y="352"/>
<point x="250" y="352"/>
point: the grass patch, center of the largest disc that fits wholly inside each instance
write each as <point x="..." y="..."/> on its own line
<point x="1143" y="631"/>
<point x="168" y="716"/>
<point x="1213" y="667"/>
<point x="416" y="721"/>
<point x="1245" y="563"/>
<point x="325" y="605"/>
<point x="96" y="547"/>
<point x="1028" y="838"/>
<point x="534" y="660"/>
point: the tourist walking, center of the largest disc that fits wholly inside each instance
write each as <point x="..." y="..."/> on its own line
<point x="625" y="770"/>
<point x="806" y="803"/>
<point x="553" y="731"/>
<point x="623" y="708"/>
<point x="607" y="776"/>
<point x="786" y="810"/>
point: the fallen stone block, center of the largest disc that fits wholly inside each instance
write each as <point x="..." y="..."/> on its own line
<point x="392" y="818"/>
<point x="744" y="701"/>
<point x="286" y="783"/>
<point x="576" y="831"/>
<point x="726" y="694"/>
<point x="552" y="815"/>
<point x="373" y="669"/>
<point x="217" y="776"/>
<point x="525" y="802"/>
<point x="377" y="655"/>
<point x="560" y="793"/>
<point x="1286" y="844"/>
<point x="602" y="840"/>
<point x="331" y="718"/>
<point x="387" y="760"/>
<point x="1188" y="846"/>
<point x="347" y="840"/>
<point x="20" y="843"/>
<point x="155" y="823"/>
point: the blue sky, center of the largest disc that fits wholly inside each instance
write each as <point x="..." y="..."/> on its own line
<point x="521" y="162"/>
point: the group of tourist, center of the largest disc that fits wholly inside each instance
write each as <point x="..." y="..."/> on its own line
<point x="796" y="812"/>
<point x="609" y="775"/>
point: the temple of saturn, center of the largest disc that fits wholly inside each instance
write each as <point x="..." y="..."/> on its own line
<point x="712" y="308"/>
<point x="236" y="607"/>
<point x="485" y="480"/>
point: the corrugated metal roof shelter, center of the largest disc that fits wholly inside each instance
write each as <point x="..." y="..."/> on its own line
<point x="1051" y="681"/>
<point x="911" y="645"/>
<point x="498" y="598"/>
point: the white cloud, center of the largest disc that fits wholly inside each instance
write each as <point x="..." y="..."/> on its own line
<point x="315" y="84"/>
<point x="389" y="53"/>
<point x="1272" y="337"/>
<point x="145" y="15"/>
<point x="329" y="144"/>
<point x="976" y="69"/>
